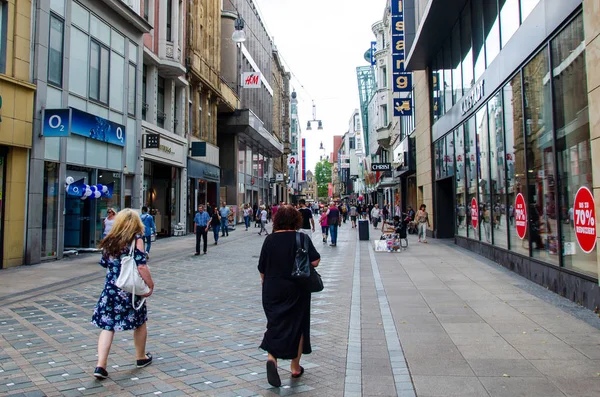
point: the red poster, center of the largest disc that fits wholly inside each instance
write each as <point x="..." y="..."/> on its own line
<point x="330" y="190"/>
<point x="474" y="213"/>
<point x="585" y="219"/>
<point x="520" y="213"/>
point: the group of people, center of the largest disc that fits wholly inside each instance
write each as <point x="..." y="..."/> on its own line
<point x="286" y="301"/>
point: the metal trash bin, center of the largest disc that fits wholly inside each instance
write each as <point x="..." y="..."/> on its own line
<point x="363" y="229"/>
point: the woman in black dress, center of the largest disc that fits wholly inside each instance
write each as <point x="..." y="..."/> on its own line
<point x="285" y="301"/>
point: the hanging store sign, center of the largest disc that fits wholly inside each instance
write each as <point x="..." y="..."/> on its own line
<point x="278" y="177"/>
<point x="381" y="167"/>
<point x="520" y="214"/>
<point x="402" y="107"/>
<point x="152" y="141"/>
<point x="63" y="122"/>
<point x="372" y="53"/>
<point x="474" y="213"/>
<point x="402" y="81"/>
<point x="251" y="80"/>
<point x="584" y="213"/>
<point x="475" y="95"/>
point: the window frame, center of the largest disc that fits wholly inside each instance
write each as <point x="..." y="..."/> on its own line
<point x="100" y="69"/>
<point x="62" y="50"/>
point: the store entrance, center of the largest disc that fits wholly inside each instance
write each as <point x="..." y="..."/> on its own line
<point x="444" y="208"/>
<point x="78" y="213"/>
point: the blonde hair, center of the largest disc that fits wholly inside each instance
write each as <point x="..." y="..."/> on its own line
<point x="127" y="225"/>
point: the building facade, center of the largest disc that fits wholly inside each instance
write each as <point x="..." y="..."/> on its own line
<point x="506" y="96"/>
<point x="281" y="127"/>
<point x="208" y="96"/>
<point x="247" y="143"/>
<point x="16" y="118"/>
<point x="164" y="106"/>
<point x="87" y="59"/>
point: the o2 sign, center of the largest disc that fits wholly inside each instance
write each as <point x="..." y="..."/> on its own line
<point x="520" y="213"/>
<point x="584" y="214"/>
<point x="56" y="122"/>
<point x="474" y="213"/>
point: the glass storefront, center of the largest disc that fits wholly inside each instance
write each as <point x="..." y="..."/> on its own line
<point x="531" y="139"/>
<point x="50" y="210"/>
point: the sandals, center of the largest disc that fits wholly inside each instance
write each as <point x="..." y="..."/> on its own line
<point x="272" y="374"/>
<point x="298" y="374"/>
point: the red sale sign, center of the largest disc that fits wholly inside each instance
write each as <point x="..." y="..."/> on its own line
<point x="474" y="213"/>
<point x="520" y="213"/>
<point x="584" y="212"/>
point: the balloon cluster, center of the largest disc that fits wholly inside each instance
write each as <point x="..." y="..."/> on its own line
<point x="80" y="189"/>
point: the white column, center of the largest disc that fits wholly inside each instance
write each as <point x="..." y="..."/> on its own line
<point x="175" y="26"/>
<point x="151" y="92"/>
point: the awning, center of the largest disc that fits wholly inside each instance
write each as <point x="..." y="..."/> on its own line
<point x="245" y="122"/>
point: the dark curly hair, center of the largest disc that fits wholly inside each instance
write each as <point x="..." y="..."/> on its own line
<point x="287" y="218"/>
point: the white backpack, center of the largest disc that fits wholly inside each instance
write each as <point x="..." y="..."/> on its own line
<point x="130" y="280"/>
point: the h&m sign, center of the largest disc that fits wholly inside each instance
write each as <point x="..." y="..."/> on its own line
<point x="251" y="80"/>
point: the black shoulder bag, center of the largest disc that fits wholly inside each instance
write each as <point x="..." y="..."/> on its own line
<point x="303" y="271"/>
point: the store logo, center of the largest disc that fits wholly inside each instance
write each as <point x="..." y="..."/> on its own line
<point x="474" y="96"/>
<point x="166" y="149"/>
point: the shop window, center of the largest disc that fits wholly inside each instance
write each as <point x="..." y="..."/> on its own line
<point x="485" y="220"/>
<point x="516" y="172"/>
<point x="491" y="28"/>
<point x="497" y="179"/>
<point x="438" y="158"/>
<point x="241" y="157"/>
<point x="461" y="197"/>
<point x="248" y="160"/>
<point x="50" y="210"/>
<point x="99" y="72"/>
<point x="457" y="84"/>
<point x="478" y="38"/>
<point x="131" y="89"/>
<point x="102" y="204"/>
<point x="55" y="51"/>
<point x="79" y="62"/>
<point x="509" y="19"/>
<point x="540" y="160"/>
<point x="471" y="175"/>
<point x="437" y="82"/>
<point x="572" y="137"/>
<point x="526" y="7"/>
<point x="449" y="155"/>
<point x="466" y="48"/>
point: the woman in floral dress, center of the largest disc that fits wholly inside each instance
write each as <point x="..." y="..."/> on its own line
<point x="114" y="311"/>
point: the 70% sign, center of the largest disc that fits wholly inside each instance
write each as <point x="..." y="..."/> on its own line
<point x="584" y="213"/>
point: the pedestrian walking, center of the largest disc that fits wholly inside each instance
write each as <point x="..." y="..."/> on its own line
<point x="247" y="215"/>
<point x="353" y="213"/>
<point x="308" y="222"/>
<point x="324" y="226"/>
<point x="285" y="301"/>
<point x="333" y="220"/>
<point x="263" y="220"/>
<point x="224" y="211"/>
<point x="202" y="221"/>
<point x="149" y="229"/>
<point x="422" y="223"/>
<point x="485" y="221"/>
<point x="375" y="214"/>
<point x="108" y="221"/>
<point x="114" y="310"/>
<point x="215" y="222"/>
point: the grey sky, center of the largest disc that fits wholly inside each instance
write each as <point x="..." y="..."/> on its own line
<point x="322" y="42"/>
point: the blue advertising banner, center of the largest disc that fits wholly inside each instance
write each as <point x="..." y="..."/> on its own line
<point x="403" y="107"/>
<point x="98" y="128"/>
<point x="373" y="49"/>
<point x="398" y="63"/>
<point x="56" y="122"/>
<point x="397" y="7"/>
<point x="397" y="25"/>
<point x="403" y="82"/>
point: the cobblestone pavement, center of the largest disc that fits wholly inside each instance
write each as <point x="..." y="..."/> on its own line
<point x="431" y="321"/>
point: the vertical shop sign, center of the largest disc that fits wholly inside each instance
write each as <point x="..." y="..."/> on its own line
<point x="402" y="80"/>
<point x="474" y="213"/>
<point x="585" y="219"/>
<point x="520" y="213"/>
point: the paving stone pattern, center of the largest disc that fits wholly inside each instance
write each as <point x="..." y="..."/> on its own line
<point x="433" y="320"/>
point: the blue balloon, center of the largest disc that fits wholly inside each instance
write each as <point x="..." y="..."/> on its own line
<point x="99" y="187"/>
<point x="92" y="188"/>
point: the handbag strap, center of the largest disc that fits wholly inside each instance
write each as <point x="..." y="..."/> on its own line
<point x="298" y="241"/>
<point x="132" y="255"/>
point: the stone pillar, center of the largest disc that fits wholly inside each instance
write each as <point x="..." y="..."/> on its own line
<point x="423" y="143"/>
<point x="151" y="93"/>
<point x="591" y="23"/>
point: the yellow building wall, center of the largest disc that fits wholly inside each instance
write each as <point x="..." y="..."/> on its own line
<point x="591" y="23"/>
<point x="16" y="128"/>
<point x="423" y="144"/>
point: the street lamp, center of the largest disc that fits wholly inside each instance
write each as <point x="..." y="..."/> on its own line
<point x="320" y="123"/>
<point x="239" y="36"/>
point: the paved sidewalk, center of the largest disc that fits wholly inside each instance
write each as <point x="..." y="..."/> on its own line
<point x="433" y="320"/>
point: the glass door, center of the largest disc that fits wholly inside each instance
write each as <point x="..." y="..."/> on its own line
<point x="78" y="213"/>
